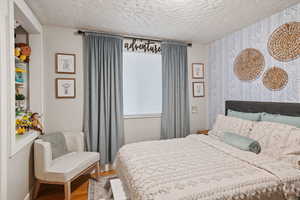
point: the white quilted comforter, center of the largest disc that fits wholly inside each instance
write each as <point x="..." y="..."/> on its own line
<point x="201" y="167"/>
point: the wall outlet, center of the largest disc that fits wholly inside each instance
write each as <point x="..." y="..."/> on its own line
<point x="194" y="109"/>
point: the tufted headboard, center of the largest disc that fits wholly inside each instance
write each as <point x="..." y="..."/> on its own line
<point x="291" y="109"/>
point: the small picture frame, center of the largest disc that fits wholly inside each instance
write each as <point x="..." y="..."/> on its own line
<point x="65" y="63"/>
<point x="65" y="88"/>
<point x="198" y="71"/>
<point x="198" y="89"/>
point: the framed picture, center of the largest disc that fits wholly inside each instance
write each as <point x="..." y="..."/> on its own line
<point x="198" y="71"/>
<point x="198" y="89"/>
<point x="65" y="88"/>
<point x="65" y="63"/>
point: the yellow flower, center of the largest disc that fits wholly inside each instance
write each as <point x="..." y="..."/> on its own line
<point x="18" y="121"/>
<point x="22" y="58"/>
<point x="25" y="117"/>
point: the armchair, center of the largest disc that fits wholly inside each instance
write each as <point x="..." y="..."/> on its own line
<point x="66" y="168"/>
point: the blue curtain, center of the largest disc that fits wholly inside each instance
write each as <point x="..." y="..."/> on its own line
<point x="175" y="105"/>
<point x="103" y="123"/>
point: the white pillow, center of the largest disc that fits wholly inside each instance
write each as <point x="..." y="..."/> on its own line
<point x="233" y="125"/>
<point x="272" y="137"/>
<point x="291" y="153"/>
<point x="293" y="143"/>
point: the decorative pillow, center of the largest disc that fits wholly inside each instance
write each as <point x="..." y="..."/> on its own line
<point x="293" y="160"/>
<point x="292" y="146"/>
<point x="57" y="142"/>
<point x="291" y="152"/>
<point x="272" y="137"/>
<point x="283" y="119"/>
<point x="241" y="142"/>
<point x="231" y="124"/>
<point x="244" y="115"/>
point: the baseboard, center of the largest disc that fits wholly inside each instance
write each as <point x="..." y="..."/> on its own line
<point x="27" y="197"/>
<point x="29" y="194"/>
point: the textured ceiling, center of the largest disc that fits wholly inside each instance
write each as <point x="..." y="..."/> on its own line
<point x="188" y="20"/>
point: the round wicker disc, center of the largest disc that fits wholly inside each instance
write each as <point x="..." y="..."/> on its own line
<point x="275" y="78"/>
<point x="284" y="43"/>
<point x="249" y="64"/>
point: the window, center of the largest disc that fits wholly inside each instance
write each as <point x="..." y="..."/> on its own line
<point x="142" y="83"/>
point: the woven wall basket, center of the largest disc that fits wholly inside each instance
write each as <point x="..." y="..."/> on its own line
<point x="249" y="64"/>
<point x="284" y="43"/>
<point x="275" y="78"/>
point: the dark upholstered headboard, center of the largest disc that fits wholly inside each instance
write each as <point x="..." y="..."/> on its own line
<point x="291" y="109"/>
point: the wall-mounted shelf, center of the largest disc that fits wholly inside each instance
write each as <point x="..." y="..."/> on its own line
<point x="23" y="140"/>
<point x="31" y="33"/>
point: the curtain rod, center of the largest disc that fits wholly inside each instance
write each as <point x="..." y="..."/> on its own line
<point x="82" y="32"/>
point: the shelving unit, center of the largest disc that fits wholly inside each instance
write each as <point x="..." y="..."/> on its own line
<point x="22" y="69"/>
<point x="26" y="77"/>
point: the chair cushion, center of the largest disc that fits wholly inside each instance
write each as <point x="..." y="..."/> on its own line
<point x="57" y="142"/>
<point x="68" y="166"/>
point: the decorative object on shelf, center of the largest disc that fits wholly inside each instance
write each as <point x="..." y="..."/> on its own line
<point x="19" y="77"/>
<point x="198" y="71"/>
<point x="65" y="63"/>
<point x="249" y="64"/>
<point x="65" y="88"/>
<point x="203" y="132"/>
<point x="20" y="97"/>
<point x="23" y="123"/>
<point x="284" y="43"/>
<point x="22" y="52"/>
<point x="198" y="89"/>
<point x="275" y="78"/>
<point x="35" y="123"/>
<point x="20" y="101"/>
<point x="16" y="24"/>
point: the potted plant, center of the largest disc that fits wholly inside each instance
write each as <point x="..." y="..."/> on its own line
<point x="19" y="100"/>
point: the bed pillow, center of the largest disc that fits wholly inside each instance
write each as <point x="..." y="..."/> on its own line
<point x="241" y="142"/>
<point x="244" y="115"/>
<point x="283" y="119"/>
<point x="231" y="124"/>
<point x="272" y="137"/>
<point x="292" y="146"/>
<point x="291" y="151"/>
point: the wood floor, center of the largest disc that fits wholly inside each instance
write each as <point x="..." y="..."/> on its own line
<point x="79" y="189"/>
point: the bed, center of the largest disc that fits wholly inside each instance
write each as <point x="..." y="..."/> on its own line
<point x="201" y="167"/>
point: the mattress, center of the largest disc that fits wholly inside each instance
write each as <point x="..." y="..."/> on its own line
<point x="201" y="167"/>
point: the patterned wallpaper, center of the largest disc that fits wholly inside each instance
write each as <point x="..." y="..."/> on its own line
<point x="224" y="85"/>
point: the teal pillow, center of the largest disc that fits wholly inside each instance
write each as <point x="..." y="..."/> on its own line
<point x="244" y="115"/>
<point x="283" y="119"/>
<point x="241" y="142"/>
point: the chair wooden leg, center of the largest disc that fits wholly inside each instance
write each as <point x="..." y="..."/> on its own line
<point x="67" y="190"/>
<point x="36" y="189"/>
<point x="98" y="171"/>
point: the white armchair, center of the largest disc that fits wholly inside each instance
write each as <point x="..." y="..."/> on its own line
<point x="64" y="169"/>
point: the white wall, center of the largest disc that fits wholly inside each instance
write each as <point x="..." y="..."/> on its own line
<point x="141" y="129"/>
<point x="67" y="114"/>
<point x="4" y="35"/>
<point x="198" y="54"/>
<point x="224" y="85"/>
<point x="20" y="174"/>
<point x="62" y="114"/>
